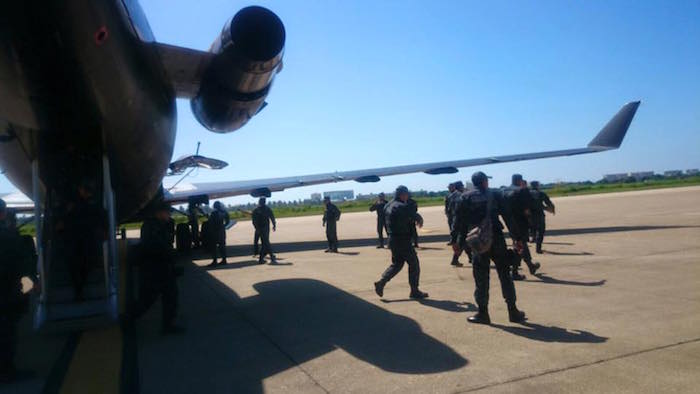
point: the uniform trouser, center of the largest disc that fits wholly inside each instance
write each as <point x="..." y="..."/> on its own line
<point x="194" y="226"/>
<point x="266" y="249"/>
<point x="414" y="234"/>
<point x="380" y="230"/>
<point x="219" y="248"/>
<point x="402" y="252"/>
<point x="85" y="254"/>
<point x="8" y="341"/>
<point x="332" y="235"/>
<point x="481" y="268"/>
<point x="256" y="242"/>
<point x="539" y="225"/>
<point x="157" y="282"/>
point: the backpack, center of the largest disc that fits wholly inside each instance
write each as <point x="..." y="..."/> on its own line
<point x="480" y="237"/>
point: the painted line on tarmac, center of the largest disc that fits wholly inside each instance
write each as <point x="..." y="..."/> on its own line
<point x="564" y="369"/>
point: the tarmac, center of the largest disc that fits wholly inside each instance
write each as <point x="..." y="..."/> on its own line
<point x="615" y="309"/>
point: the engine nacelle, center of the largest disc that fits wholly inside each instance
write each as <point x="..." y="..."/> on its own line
<point x="248" y="55"/>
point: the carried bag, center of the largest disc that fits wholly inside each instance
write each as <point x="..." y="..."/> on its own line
<point x="480" y="237"/>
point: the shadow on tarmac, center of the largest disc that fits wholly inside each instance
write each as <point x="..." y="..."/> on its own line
<point x="240" y="342"/>
<point x="568" y="253"/>
<point x="537" y="332"/>
<point x="543" y="278"/>
<point x="445" y="305"/>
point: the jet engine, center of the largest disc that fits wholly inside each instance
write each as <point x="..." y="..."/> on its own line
<point x="247" y="56"/>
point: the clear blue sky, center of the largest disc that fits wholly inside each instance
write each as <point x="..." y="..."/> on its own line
<point x="379" y="83"/>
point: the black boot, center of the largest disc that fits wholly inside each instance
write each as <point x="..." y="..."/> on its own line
<point x="455" y="262"/>
<point x="515" y="315"/>
<point x="379" y="287"/>
<point x="481" y="317"/>
<point x="417" y="294"/>
<point x="533" y="267"/>
<point x="516" y="275"/>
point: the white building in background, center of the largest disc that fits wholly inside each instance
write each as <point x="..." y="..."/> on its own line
<point x="642" y="175"/>
<point x="316" y="197"/>
<point x="340" y="195"/>
<point x="615" y="177"/>
<point x="693" y="171"/>
<point x="673" y="173"/>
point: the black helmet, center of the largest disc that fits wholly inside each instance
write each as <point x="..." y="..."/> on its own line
<point x="459" y="185"/>
<point x="261" y="201"/>
<point x="535" y="184"/>
<point x="516" y="179"/>
<point x="401" y="190"/>
<point x="3" y="205"/>
<point x="478" y="178"/>
<point x="382" y="195"/>
<point x="218" y="205"/>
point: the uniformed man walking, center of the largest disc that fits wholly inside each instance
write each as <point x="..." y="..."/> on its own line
<point x="475" y="206"/>
<point x="193" y="214"/>
<point x="218" y="220"/>
<point x="541" y="203"/>
<point x="519" y="202"/>
<point x="400" y="216"/>
<point x="454" y="200"/>
<point x="13" y="302"/>
<point x="262" y="216"/>
<point x="378" y="207"/>
<point x="448" y="212"/>
<point x="158" y="276"/>
<point x="331" y="215"/>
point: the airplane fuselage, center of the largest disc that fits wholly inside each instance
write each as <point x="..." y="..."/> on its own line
<point x="79" y="80"/>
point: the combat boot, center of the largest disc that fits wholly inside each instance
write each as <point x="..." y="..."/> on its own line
<point x="515" y="315"/>
<point x="417" y="294"/>
<point x="455" y="262"/>
<point x="516" y="275"/>
<point x="481" y="317"/>
<point x="533" y="267"/>
<point x="379" y="287"/>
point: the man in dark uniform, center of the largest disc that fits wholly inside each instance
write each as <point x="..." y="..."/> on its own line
<point x="378" y="206"/>
<point x="541" y="203"/>
<point x="400" y="216"/>
<point x="218" y="220"/>
<point x="262" y="216"/>
<point x="519" y="203"/>
<point x="473" y="208"/>
<point x="157" y="273"/>
<point x="417" y="222"/>
<point x="330" y="217"/>
<point x="454" y="200"/>
<point x="13" y="303"/>
<point x="86" y="228"/>
<point x="448" y="213"/>
<point x="193" y="213"/>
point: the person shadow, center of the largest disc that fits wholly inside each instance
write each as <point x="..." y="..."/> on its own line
<point x="445" y="305"/>
<point x="538" y="332"/>
<point x="567" y="253"/>
<point x="553" y="281"/>
<point x="242" y="264"/>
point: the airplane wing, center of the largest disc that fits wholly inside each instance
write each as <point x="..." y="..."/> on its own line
<point x="609" y="138"/>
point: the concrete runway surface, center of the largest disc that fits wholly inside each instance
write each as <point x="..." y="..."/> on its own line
<point x="615" y="309"/>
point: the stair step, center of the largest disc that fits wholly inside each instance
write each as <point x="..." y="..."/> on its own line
<point x="74" y="310"/>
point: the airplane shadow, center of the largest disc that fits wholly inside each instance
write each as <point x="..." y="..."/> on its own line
<point x="538" y="332"/>
<point x="445" y="305"/>
<point x="543" y="278"/>
<point x="236" y="343"/>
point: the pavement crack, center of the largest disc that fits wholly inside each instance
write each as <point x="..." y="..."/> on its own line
<point x="577" y="366"/>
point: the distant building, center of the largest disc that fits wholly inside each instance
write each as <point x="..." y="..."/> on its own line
<point x="642" y="175"/>
<point x="615" y="177"/>
<point x="340" y="195"/>
<point x="693" y="171"/>
<point x="316" y="197"/>
<point x="673" y="173"/>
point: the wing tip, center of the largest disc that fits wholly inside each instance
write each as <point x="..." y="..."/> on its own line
<point x="612" y="134"/>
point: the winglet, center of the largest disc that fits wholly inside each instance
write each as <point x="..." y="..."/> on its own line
<point x="611" y="136"/>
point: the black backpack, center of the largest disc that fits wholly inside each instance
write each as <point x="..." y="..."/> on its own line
<point x="480" y="237"/>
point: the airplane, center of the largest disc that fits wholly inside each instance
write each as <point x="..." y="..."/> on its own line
<point x="86" y="92"/>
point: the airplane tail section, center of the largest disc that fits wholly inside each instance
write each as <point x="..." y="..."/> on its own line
<point x="611" y="136"/>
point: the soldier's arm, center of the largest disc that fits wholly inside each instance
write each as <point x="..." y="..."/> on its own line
<point x="547" y="202"/>
<point x="373" y="207"/>
<point x="419" y="219"/>
<point x="272" y="218"/>
<point x="506" y="213"/>
<point x="459" y="220"/>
